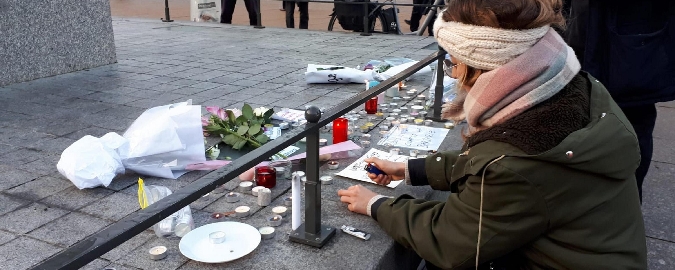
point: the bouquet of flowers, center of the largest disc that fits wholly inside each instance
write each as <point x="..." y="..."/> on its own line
<point x="238" y="128"/>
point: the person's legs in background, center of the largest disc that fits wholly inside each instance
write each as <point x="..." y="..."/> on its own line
<point x="290" y="16"/>
<point x="252" y="8"/>
<point x="416" y="15"/>
<point x="643" y="119"/>
<point x="227" y="10"/>
<point x="304" y="15"/>
<point x="283" y="6"/>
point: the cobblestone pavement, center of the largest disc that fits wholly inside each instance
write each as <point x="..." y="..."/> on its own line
<point x="42" y="213"/>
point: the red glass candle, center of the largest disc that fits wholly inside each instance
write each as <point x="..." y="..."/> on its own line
<point x="265" y="176"/>
<point x="340" y="126"/>
<point x="371" y="105"/>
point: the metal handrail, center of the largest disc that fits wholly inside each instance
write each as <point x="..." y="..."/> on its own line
<point x="105" y="240"/>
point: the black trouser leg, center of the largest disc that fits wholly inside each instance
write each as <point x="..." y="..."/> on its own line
<point x="643" y="119"/>
<point x="228" y="10"/>
<point x="252" y="8"/>
<point x="290" y="10"/>
<point x="283" y="5"/>
<point x="416" y="15"/>
<point x="430" y="27"/>
<point x="304" y="15"/>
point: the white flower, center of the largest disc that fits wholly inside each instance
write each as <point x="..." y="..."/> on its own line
<point x="259" y="112"/>
<point x="214" y="152"/>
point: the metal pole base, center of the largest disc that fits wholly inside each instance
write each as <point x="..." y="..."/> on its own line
<point x="300" y="236"/>
<point x="366" y="34"/>
<point x="258" y="27"/>
<point x="166" y="20"/>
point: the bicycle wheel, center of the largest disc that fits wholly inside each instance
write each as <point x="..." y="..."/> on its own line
<point x="379" y="24"/>
<point x="331" y="23"/>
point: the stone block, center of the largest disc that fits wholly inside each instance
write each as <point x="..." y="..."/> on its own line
<point x="73" y="198"/>
<point x="113" y="207"/>
<point x="69" y="229"/>
<point x="10" y="203"/>
<point x="140" y="257"/>
<point x="97" y="264"/>
<point x="24" y="252"/>
<point x="40" y="188"/>
<point x="14" y="177"/>
<point x="126" y="247"/>
<point x="29" y="218"/>
<point x="6" y="237"/>
<point x="657" y="207"/>
<point x="660" y="254"/>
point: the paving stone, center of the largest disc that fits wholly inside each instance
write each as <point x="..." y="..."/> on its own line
<point x="113" y="207"/>
<point x="40" y="188"/>
<point x="6" y="237"/>
<point x="24" y="252"/>
<point x="44" y="165"/>
<point x="660" y="254"/>
<point x="97" y="264"/>
<point x="10" y="203"/>
<point x="663" y="149"/>
<point x="73" y="198"/>
<point x="220" y="91"/>
<point x="657" y="207"/>
<point x="120" y="267"/>
<point x="72" y="228"/>
<point x="122" y="181"/>
<point x="126" y="247"/>
<point x="139" y="257"/>
<point x="245" y="82"/>
<point x="93" y="131"/>
<point x="60" y="127"/>
<point x="53" y="145"/>
<point x="10" y="177"/>
<point x="29" y="218"/>
<point x="663" y="128"/>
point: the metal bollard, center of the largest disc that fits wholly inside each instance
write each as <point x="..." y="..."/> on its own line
<point x="166" y="12"/>
<point x="259" y="25"/>
<point x="366" y="23"/>
<point x="438" y="94"/>
<point x="311" y="232"/>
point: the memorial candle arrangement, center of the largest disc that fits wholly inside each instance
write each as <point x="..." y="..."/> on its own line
<point x="340" y="128"/>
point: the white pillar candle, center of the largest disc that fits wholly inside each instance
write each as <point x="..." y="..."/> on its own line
<point x="264" y="197"/>
<point x="296" y="190"/>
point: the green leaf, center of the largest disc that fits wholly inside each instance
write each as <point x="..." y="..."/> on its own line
<point x="262" y="138"/>
<point x="255" y="128"/>
<point x="268" y="113"/>
<point x="241" y="120"/>
<point x="247" y="111"/>
<point x="231" y="117"/>
<point x="212" y="128"/>
<point x="239" y="145"/>
<point x="242" y="130"/>
<point x="230" y="139"/>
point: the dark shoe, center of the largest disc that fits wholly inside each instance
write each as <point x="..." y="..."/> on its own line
<point x="407" y="22"/>
<point x="282" y="9"/>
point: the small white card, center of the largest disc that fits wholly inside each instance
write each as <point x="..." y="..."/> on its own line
<point x="357" y="169"/>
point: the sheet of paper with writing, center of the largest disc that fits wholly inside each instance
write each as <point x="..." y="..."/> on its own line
<point x="357" y="170"/>
<point x="415" y="137"/>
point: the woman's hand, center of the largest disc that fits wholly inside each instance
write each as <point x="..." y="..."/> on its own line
<point x="357" y="197"/>
<point x="394" y="171"/>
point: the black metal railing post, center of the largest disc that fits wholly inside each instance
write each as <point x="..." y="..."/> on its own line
<point x="259" y="23"/>
<point x="312" y="232"/>
<point x="166" y="12"/>
<point x="438" y="91"/>
<point x="366" y="23"/>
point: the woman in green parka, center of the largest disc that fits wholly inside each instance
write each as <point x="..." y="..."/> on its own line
<point x="545" y="179"/>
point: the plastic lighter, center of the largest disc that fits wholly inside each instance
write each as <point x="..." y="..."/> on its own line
<point x="374" y="170"/>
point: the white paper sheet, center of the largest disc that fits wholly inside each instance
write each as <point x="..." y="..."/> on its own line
<point x="415" y="137"/>
<point x="356" y="170"/>
<point x="289" y="115"/>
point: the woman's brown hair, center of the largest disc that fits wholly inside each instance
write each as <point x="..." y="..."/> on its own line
<point x="507" y="14"/>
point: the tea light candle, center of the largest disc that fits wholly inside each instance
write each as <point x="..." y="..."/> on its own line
<point x="422" y="97"/>
<point x="416" y="109"/>
<point x="396" y="99"/>
<point x="280" y="210"/>
<point x="394" y="115"/>
<point x="323" y="142"/>
<point x="384" y="107"/>
<point x="245" y="186"/>
<point x="418" y="102"/>
<point x="365" y="144"/>
<point x="326" y="180"/>
<point x="288" y="201"/>
<point x="365" y="137"/>
<point x="379" y="115"/>
<point x="449" y="125"/>
<point x="242" y="211"/>
<point x="232" y="197"/>
<point x="217" y="237"/>
<point x="423" y="114"/>
<point x="411" y="92"/>
<point x="333" y="165"/>
<point x="383" y="132"/>
<point x="284" y="125"/>
<point x="266" y="232"/>
<point x="384" y="127"/>
<point x="395" y="123"/>
<point x="393" y="105"/>
<point x="403" y="126"/>
<point x="396" y="111"/>
<point x="281" y="172"/>
<point x="413" y="153"/>
<point x="158" y="253"/>
<point x="418" y="121"/>
<point x="274" y="221"/>
<point x="264" y="197"/>
<point x="406" y="99"/>
<point x="427" y="122"/>
<point x="394" y="151"/>
<point x="255" y="191"/>
<point x="364" y="128"/>
<point x="403" y="120"/>
<point x="421" y="156"/>
<point x="404" y="109"/>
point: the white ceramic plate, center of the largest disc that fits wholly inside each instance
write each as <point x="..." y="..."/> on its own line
<point x="240" y="239"/>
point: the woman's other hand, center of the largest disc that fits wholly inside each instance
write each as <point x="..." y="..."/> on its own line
<point x="357" y="197"/>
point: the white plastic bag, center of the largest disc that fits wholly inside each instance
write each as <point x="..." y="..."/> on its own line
<point x="336" y="74"/>
<point x="164" y="140"/>
<point x="90" y="162"/>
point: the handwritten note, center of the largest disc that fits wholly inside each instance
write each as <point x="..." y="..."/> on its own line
<point x="415" y="137"/>
<point x="289" y="115"/>
<point x="357" y="169"/>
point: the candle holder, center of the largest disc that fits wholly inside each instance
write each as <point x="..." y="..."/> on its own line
<point x="245" y="186"/>
<point x="157" y="253"/>
<point x="403" y="120"/>
<point x="418" y="102"/>
<point x="416" y="109"/>
<point x="449" y="125"/>
<point x="242" y="211"/>
<point x="364" y="128"/>
<point x="283" y="168"/>
<point x="255" y="190"/>
<point x="413" y="153"/>
<point x="418" y="121"/>
<point x="421" y="97"/>
<point x="274" y="221"/>
<point x="217" y="237"/>
<point x="394" y="151"/>
<point x="232" y="197"/>
<point x="266" y="233"/>
<point x="288" y="201"/>
<point x="393" y="105"/>
<point x="384" y="127"/>
<point x="421" y="156"/>
<point x="280" y="210"/>
<point x="284" y="125"/>
<point x="326" y="180"/>
<point x="404" y="109"/>
<point x="423" y="114"/>
<point x="371" y="105"/>
<point x="365" y="145"/>
<point x="379" y="115"/>
<point x="340" y="127"/>
<point x="427" y="122"/>
<point x="384" y="108"/>
<point x="406" y="99"/>
<point x="396" y="99"/>
<point x="323" y="142"/>
<point x="265" y="176"/>
<point x="333" y="165"/>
